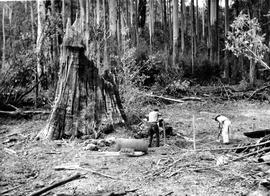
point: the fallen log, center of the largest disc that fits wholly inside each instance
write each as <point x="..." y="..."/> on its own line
<point x="166" y="98"/>
<point x="182" y="100"/>
<point x="43" y="190"/>
<point x="20" y="113"/>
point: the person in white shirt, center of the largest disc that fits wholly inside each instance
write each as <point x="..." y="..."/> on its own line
<point x="153" y="118"/>
<point x="224" y="127"/>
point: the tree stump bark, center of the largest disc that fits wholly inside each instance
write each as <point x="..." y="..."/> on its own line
<point x="85" y="100"/>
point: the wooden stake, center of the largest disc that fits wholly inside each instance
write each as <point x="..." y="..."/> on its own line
<point x="164" y="132"/>
<point x="194" y="134"/>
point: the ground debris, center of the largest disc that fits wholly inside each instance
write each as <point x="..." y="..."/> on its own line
<point x="64" y="181"/>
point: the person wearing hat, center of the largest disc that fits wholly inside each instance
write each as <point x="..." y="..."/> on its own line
<point x="153" y="119"/>
<point x="224" y="128"/>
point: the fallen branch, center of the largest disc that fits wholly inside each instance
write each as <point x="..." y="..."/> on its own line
<point x="10" y="151"/>
<point x="258" y="90"/>
<point x="22" y="113"/>
<point x="76" y="167"/>
<point x="191" y="99"/>
<point x="43" y="190"/>
<point x="166" y="98"/>
<point x="11" y="189"/>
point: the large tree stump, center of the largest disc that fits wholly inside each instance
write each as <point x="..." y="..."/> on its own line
<point x="85" y="100"/>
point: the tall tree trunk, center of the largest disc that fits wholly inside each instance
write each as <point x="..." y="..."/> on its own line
<point x="217" y="34"/>
<point x="63" y="13"/>
<point x="98" y="41"/>
<point x="203" y="23"/>
<point x="113" y="17"/>
<point x="136" y="23"/>
<point x="197" y="25"/>
<point x="40" y="38"/>
<point x="165" y="14"/>
<point x="151" y="23"/>
<point x="33" y="39"/>
<point x="182" y="27"/>
<point x="119" y="27"/>
<point x="131" y="12"/>
<point x="175" y="33"/>
<point x="4" y="39"/>
<point x="209" y="33"/>
<point x="227" y="68"/>
<point x="141" y="15"/>
<point x="193" y="37"/>
<point x="105" y="54"/>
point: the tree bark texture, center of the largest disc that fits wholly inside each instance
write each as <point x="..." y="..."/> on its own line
<point x="4" y="38"/>
<point x="151" y="23"/>
<point x="226" y="68"/>
<point x="85" y="100"/>
<point x="193" y="36"/>
<point x="182" y="27"/>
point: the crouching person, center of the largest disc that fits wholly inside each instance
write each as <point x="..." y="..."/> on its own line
<point x="224" y="128"/>
<point x="153" y="119"/>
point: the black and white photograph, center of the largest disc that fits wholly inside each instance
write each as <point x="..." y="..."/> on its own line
<point x="135" y="97"/>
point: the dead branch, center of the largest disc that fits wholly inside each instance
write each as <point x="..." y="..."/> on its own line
<point x="191" y="99"/>
<point x="250" y="154"/>
<point x="76" y="167"/>
<point x="11" y="189"/>
<point x="258" y="90"/>
<point x="17" y="113"/>
<point x="43" y="190"/>
<point x="166" y="98"/>
<point x="10" y="151"/>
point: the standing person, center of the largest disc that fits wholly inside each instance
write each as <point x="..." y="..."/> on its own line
<point x="224" y="128"/>
<point x="153" y="118"/>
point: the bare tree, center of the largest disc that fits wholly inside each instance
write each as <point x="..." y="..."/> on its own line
<point x="175" y="33"/>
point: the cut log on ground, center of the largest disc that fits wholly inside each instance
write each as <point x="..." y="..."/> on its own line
<point x="135" y="144"/>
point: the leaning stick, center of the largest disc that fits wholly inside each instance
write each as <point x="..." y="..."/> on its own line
<point x="41" y="191"/>
<point x="194" y="134"/>
<point x="164" y="132"/>
<point x="11" y="189"/>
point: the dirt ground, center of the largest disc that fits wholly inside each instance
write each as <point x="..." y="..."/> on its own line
<point x="174" y="169"/>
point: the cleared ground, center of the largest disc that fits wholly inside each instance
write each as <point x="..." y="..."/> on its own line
<point x="173" y="169"/>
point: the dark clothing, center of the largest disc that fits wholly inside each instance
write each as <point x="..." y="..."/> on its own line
<point x="153" y="129"/>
